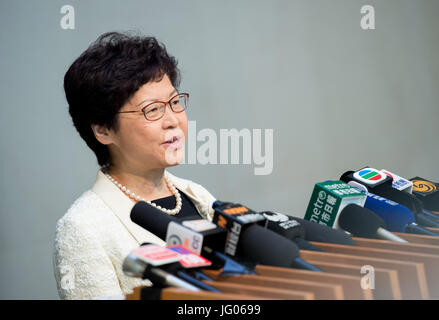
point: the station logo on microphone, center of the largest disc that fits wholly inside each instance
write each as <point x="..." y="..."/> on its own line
<point x="328" y="199"/>
<point x="370" y="176"/>
<point x="423" y="187"/>
<point x="399" y="183"/>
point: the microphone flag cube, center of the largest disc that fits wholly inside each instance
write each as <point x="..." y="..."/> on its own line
<point x="235" y="217"/>
<point x="328" y="199"/>
<point x="427" y="191"/>
<point x="399" y="183"/>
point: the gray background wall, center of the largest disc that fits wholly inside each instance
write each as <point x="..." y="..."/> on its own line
<point x="337" y="97"/>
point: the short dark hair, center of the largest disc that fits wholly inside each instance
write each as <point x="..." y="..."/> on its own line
<point x="107" y="75"/>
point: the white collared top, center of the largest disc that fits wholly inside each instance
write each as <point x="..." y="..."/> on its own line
<point x="96" y="234"/>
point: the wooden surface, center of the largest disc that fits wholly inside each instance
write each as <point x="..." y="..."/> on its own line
<point x="402" y="271"/>
<point x="350" y="284"/>
<point x="412" y="278"/>
<point x="386" y="280"/>
<point x="325" y="291"/>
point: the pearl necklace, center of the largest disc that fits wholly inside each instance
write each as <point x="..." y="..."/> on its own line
<point x="138" y="198"/>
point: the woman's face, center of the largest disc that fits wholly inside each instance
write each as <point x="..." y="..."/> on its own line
<point x="141" y="143"/>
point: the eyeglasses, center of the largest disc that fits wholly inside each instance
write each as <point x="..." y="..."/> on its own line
<point x="156" y="110"/>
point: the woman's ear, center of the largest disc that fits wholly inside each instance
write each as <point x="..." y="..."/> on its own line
<point x="103" y="134"/>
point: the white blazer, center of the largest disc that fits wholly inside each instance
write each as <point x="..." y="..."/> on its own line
<point x="96" y="234"/>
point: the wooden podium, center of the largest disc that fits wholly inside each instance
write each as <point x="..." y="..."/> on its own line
<point x="402" y="271"/>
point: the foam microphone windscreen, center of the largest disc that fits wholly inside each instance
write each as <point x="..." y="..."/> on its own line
<point x="359" y="221"/>
<point x="267" y="247"/>
<point x="151" y="219"/>
<point x="321" y="233"/>
<point x="406" y="199"/>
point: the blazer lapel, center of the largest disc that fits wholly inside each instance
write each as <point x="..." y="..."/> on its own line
<point x="121" y="206"/>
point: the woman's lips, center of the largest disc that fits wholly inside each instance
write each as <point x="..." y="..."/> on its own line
<point x="175" y="142"/>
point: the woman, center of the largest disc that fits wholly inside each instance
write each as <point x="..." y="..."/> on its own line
<point x="123" y="100"/>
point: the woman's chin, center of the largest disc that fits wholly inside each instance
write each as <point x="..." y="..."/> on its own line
<point x="174" y="157"/>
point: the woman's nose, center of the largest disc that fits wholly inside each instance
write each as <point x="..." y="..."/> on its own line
<point x="170" y="118"/>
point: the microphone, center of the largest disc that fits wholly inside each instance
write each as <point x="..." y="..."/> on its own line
<point x="320" y="233"/>
<point x="362" y="222"/>
<point x="205" y="241"/>
<point x="415" y="228"/>
<point x="403" y="184"/>
<point x="380" y="183"/>
<point x="289" y="228"/>
<point x="263" y="246"/>
<point x="270" y="248"/>
<point x="235" y="218"/>
<point x="328" y="200"/>
<point x="144" y="261"/>
<point x="157" y="223"/>
<point x="134" y="266"/>
<point x="427" y="192"/>
<point x="248" y="238"/>
<point x="399" y="183"/>
<point x="148" y="218"/>
<point x="397" y="217"/>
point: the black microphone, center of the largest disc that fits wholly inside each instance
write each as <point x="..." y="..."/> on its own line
<point x="317" y="232"/>
<point x="379" y="183"/>
<point x="255" y="243"/>
<point x="249" y="238"/>
<point x="263" y="246"/>
<point x="427" y="192"/>
<point x="426" y="217"/>
<point x="289" y="228"/>
<point x="364" y="223"/>
<point x="149" y="218"/>
<point x="205" y="242"/>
